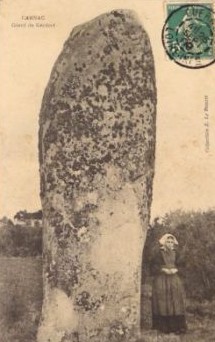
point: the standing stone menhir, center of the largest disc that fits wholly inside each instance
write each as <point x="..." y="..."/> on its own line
<point x="97" y="144"/>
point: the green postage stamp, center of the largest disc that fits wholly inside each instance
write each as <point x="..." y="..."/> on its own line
<point x="188" y="34"/>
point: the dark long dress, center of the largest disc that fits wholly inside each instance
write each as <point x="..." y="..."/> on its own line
<point x="168" y="296"/>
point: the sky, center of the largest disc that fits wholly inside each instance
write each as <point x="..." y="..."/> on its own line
<point x="184" y="169"/>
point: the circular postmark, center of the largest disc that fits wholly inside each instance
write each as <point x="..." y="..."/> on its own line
<point x="188" y="35"/>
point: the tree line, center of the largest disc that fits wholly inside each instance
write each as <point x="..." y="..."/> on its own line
<point x="22" y="238"/>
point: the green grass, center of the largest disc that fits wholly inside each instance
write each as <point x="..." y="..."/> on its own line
<point x="20" y="298"/>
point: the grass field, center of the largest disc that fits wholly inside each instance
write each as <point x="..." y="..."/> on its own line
<point x="20" y="298"/>
<point x="200" y="329"/>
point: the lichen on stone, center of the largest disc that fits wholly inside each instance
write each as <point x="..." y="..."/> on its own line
<point x="96" y="146"/>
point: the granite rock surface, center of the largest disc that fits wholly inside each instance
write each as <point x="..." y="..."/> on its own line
<point x="97" y="145"/>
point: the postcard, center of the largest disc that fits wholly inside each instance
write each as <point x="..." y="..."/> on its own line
<point x="107" y="170"/>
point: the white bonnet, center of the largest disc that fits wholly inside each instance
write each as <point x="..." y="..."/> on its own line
<point x="165" y="237"/>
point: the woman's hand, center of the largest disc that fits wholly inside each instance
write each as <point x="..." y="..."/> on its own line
<point x="169" y="270"/>
<point x="165" y="270"/>
<point x="174" y="270"/>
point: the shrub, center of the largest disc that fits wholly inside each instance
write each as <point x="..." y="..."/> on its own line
<point x="16" y="240"/>
<point x="195" y="232"/>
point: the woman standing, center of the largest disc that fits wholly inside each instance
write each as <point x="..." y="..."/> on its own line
<point x="168" y="297"/>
